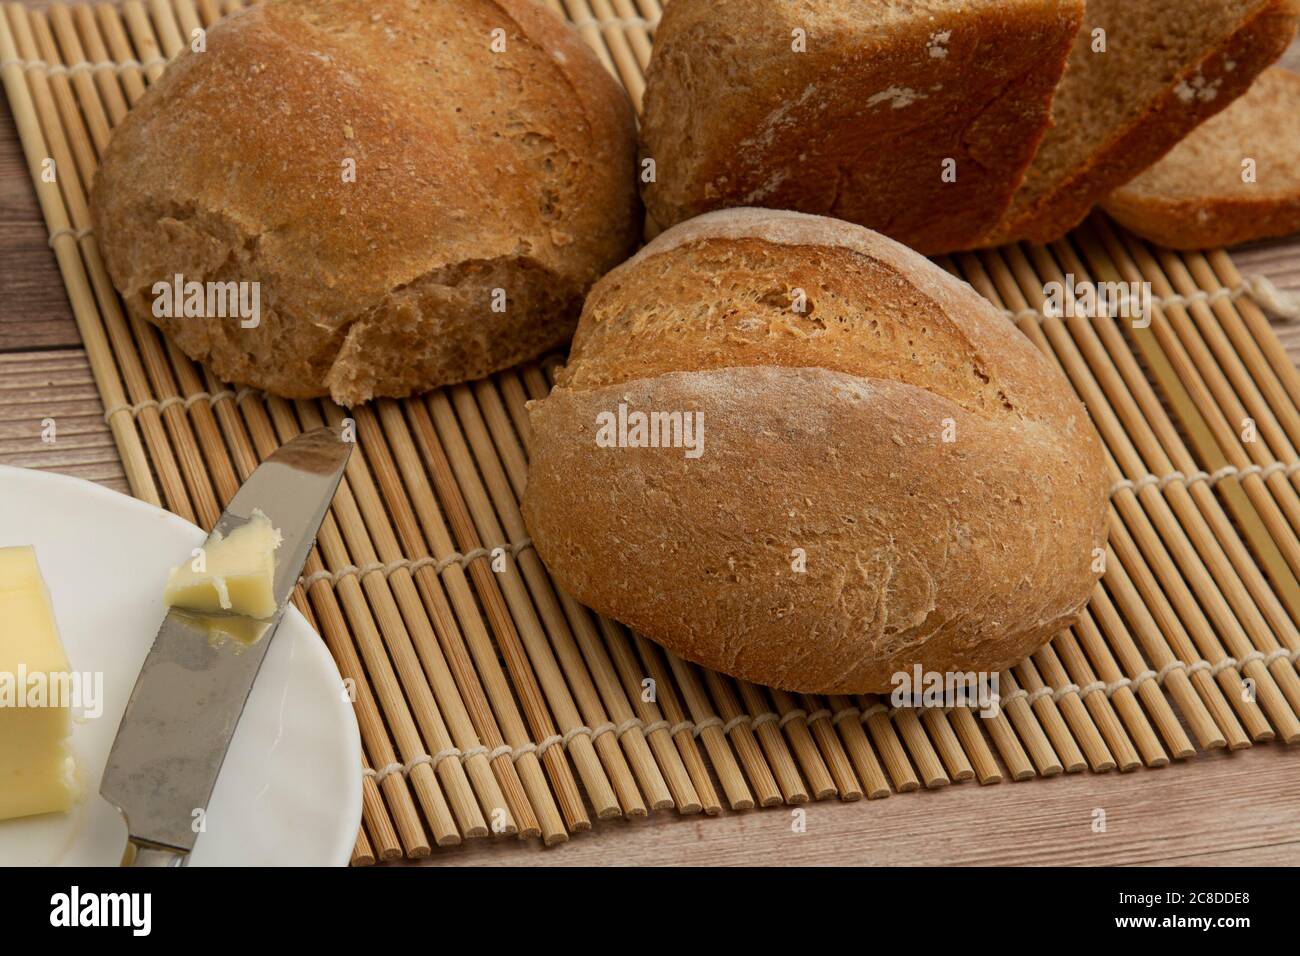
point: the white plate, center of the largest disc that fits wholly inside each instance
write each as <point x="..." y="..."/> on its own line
<point x="290" y="790"/>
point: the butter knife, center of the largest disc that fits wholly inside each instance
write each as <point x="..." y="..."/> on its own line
<point x="191" y="691"/>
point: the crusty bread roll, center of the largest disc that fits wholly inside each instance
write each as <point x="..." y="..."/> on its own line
<point x="915" y="119"/>
<point x="825" y="443"/>
<point x="1200" y="196"/>
<point x="491" y="151"/>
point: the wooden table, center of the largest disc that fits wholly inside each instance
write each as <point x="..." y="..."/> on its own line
<point x="1240" y="809"/>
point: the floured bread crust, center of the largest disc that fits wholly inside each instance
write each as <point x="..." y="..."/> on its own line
<point x="490" y="190"/>
<point x="823" y="444"/>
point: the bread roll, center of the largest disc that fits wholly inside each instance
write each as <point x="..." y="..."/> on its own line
<point x="1140" y="78"/>
<point x="914" y="119"/>
<point x="892" y="476"/>
<point x="381" y="169"/>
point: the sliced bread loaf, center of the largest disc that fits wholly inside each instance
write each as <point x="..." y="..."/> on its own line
<point x="1234" y="179"/>
<point x="1155" y="71"/>
<point x="917" y="119"/>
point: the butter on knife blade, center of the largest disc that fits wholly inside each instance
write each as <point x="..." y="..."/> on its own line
<point x="190" y="694"/>
<point x="233" y="573"/>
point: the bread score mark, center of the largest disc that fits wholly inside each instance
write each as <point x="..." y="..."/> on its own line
<point x="654" y="429"/>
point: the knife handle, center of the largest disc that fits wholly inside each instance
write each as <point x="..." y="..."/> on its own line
<point x="147" y="854"/>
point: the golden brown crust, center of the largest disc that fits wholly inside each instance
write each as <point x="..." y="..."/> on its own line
<point x="858" y="125"/>
<point x="1196" y="197"/>
<point x="475" y="170"/>
<point x="958" y="555"/>
<point x="1061" y="202"/>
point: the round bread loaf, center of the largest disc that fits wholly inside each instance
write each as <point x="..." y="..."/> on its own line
<point x="422" y="191"/>
<point x="862" y="466"/>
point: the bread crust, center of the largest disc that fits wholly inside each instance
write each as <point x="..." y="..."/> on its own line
<point x="474" y="171"/>
<point x="1195" y="197"/>
<point x="860" y="125"/>
<point x="957" y="555"/>
<point x="1257" y="42"/>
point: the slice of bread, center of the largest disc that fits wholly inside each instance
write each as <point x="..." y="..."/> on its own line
<point x="1167" y="66"/>
<point x="1234" y="179"/>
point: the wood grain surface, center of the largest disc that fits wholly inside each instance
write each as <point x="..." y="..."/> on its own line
<point x="1240" y="809"/>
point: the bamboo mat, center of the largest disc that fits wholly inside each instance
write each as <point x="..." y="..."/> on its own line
<point x="492" y="703"/>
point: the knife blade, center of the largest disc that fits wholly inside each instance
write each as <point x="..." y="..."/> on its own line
<point x="192" y="690"/>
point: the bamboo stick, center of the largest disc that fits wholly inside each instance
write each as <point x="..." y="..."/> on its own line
<point x="595" y="685"/>
<point x="399" y="614"/>
<point x="638" y="36"/>
<point x="110" y="26"/>
<point x="709" y="727"/>
<point x="496" y="781"/>
<point x="82" y="30"/>
<point x="664" y="758"/>
<point x="774" y="779"/>
<point x="99" y="348"/>
<point x="972" y="741"/>
<point x="765" y="719"/>
<point x="848" y="719"/>
<point x="1082" y="674"/>
<point x="876" y="718"/>
<point x="1249" y="630"/>
<point x="1256" y="322"/>
<point x="383" y="677"/>
<point x="674" y="711"/>
<point x="1016" y="708"/>
<point x="615" y="41"/>
<point x="1143" y="621"/>
<point x="1106" y="619"/>
<point x="923" y="756"/>
<point x="1275" y="501"/>
<point x="480" y="646"/>
<point x="377" y="822"/>
<point x="494" y="685"/>
<point x="1051" y="719"/>
<point x="83" y="149"/>
<point x="683" y="794"/>
<point x="362" y="854"/>
<point x="538" y="628"/>
<point x="373" y="815"/>
<point x="1244" y="513"/>
<point x="511" y="389"/>
<point x="830" y="749"/>
<point x="947" y="744"/>
<point x="1189" y="562"/>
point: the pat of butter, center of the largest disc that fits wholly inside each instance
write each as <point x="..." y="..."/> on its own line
<point x="234" y="573"/>
<point x="37" y="772"/>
